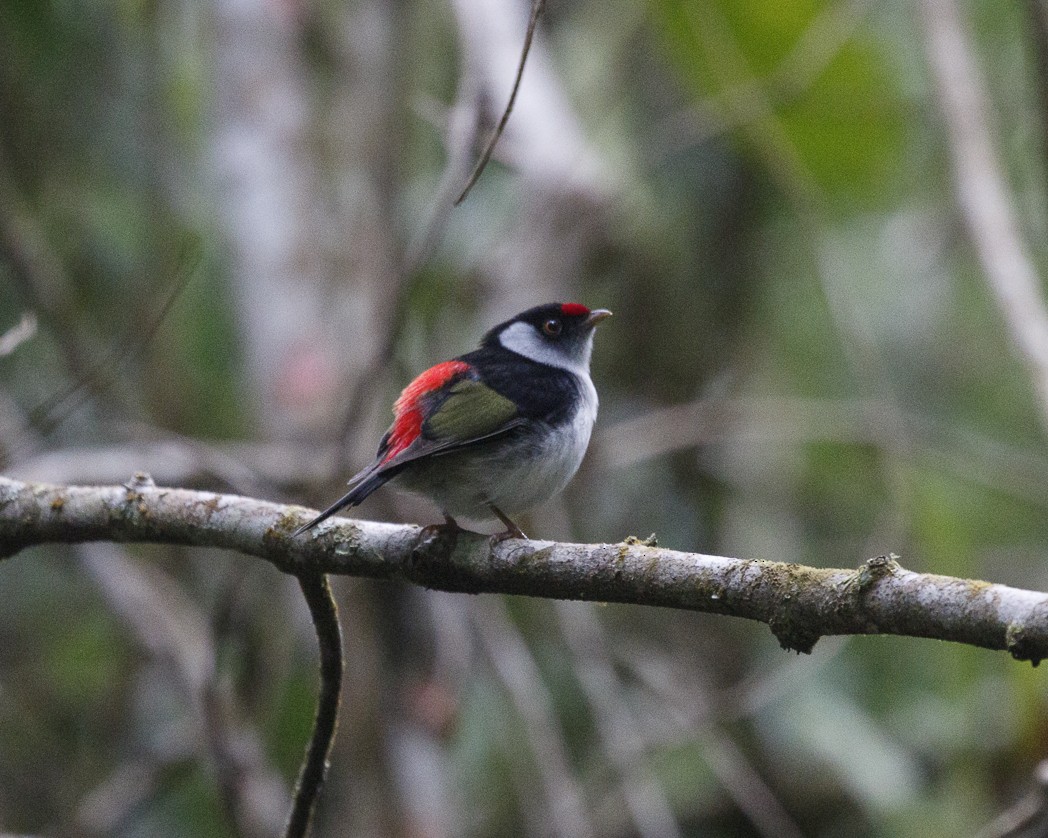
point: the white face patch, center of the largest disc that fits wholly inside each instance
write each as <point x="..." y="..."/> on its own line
<point x="524" y="340"/>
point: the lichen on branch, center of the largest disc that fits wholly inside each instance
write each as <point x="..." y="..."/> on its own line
<point x="800" y="604"/>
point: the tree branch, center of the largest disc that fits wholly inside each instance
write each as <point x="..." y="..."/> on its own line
<point x="800" y="604"/>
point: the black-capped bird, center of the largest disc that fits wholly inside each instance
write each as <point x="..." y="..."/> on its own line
<point x="498" y="430"/>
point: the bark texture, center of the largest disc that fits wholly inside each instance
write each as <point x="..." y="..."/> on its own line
<point x="799" y="603"/>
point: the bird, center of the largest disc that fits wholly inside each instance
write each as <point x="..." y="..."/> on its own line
<point x="494" y="432"/>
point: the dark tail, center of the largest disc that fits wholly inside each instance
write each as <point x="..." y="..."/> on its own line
<point x="351" y="498"/>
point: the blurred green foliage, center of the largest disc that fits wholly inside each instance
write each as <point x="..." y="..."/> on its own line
<point x="779" y="241"/>
<point x="748" y="58"/>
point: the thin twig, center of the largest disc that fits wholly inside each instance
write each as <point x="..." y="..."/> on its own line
<point x="316" y="588"/>
<point x="536" y="11"/>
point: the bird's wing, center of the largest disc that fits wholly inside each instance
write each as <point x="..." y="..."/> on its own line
<point x="445" y="409"/>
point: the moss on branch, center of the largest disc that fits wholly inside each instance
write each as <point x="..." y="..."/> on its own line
<point x="800" y="604"/>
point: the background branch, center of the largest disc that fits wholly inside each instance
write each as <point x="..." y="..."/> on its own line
<point x="983" y="193"/>
<point x="170" y="625"/>
<point x="800" y="604"/>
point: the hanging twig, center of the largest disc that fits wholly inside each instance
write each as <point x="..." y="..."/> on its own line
<point x="317" y="590"/>
<point x="536" y="11"/>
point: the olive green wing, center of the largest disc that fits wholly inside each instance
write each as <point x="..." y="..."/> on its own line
<point x="464" y="413"/>
<point x="471" y="411"/>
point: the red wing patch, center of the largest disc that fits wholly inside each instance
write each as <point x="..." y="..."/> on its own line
<point x="407" y="409"/>
<point x="574" y="310"/>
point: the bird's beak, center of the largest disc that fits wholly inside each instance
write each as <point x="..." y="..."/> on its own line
<point x="596" y="316"/>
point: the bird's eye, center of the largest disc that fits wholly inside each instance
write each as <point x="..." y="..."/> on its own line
<point x="552" y="327"/>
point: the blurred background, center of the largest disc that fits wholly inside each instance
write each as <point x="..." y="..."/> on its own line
<point x="227" y="241"/>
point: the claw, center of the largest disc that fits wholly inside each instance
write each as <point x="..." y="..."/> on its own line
<point x="448" y="529"/>
<point x="511" y="531"/>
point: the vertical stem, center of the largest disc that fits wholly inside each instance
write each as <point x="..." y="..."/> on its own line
<point x="317" y="590"/>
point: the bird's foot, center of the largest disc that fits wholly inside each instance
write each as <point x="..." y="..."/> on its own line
<point x="505" y="535"/>
<point x="511" y="531"/>
<point x="449" y="529"/>
<point x="436" y="540"/>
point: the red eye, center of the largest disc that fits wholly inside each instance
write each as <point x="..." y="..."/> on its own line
<point x="552" y="327"/>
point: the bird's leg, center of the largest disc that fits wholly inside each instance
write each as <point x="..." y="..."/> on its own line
<point x="512" y="530"/>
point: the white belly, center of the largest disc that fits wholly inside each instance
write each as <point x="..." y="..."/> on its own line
<point x="515" y="474"/>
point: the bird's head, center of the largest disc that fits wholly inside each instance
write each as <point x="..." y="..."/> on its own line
<point x="557" y="334"/>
